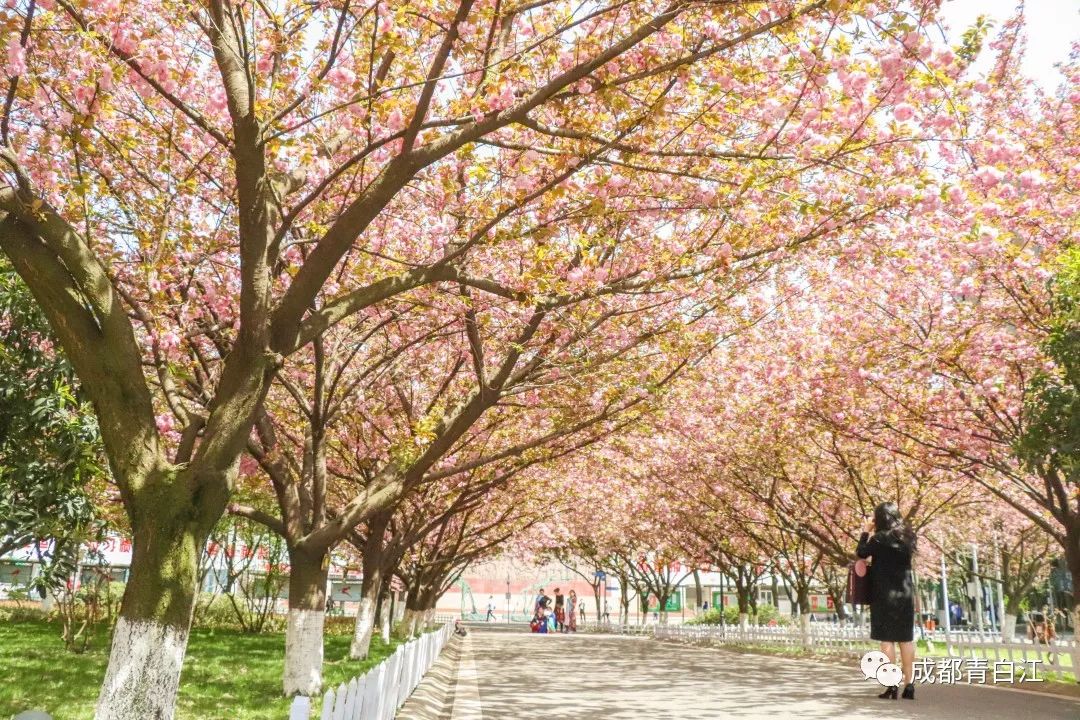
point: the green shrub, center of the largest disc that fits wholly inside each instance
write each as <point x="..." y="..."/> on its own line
<point x="339" y="625"/>
<point x="215" y="612"/>
<point x="26" y="613"/>
<point x="765" y="614"/>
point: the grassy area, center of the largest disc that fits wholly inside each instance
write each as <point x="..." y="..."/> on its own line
<point x="939" y="650"/>
<point x="227" y="674"/>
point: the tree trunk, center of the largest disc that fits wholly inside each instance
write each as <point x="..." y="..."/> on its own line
<point x="743" y="598"/>
<point x="1072" y="561"/>
<point x="385" y="629"/>
<point x="803" y="594"/>
<point x="370" y="587"/>
<point x="151" y="633"/>
<point x="1008" y="628"/>
<point x="307" y="615"/>
<point x="838" y="604"/>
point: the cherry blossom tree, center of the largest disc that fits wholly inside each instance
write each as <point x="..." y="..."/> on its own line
<point x="193" y="194"/>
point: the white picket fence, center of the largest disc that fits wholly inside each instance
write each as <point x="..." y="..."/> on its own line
<point x="378" y="693"/>
<point x="617" y="628"/>
<point x="1063" y="657"/>
<point x="848" y="639"/>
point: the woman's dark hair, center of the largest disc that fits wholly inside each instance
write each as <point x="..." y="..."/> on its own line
<point x="888" y="520"/>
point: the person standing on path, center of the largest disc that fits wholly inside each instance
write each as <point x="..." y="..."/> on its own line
<point x="560" y="610"/>
<point x="571" y="615"/>
<point x="890" y="541"/>
<point x="491" y="608"/>
<point x="541" y="600"/>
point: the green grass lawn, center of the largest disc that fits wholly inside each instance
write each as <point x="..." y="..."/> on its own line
<point x="227" y="674"/>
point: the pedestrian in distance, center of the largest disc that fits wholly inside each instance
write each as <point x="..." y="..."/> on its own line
<point x="560" y="610"/>
<point x="956" y="614"/>
<point x="1041" y="631"/>
<point x="571" y="611"/>
<point x="539" y="621"/>
<point x="490" y="609"/>
<point x="890" y="542"/>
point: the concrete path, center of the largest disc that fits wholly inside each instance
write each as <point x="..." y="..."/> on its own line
<point x="509" y="674"/>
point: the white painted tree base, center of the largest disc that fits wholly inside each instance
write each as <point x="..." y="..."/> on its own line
<point x="386" y="629"/>
<point x="143" y="673"/>
<point x="362" y="630"/>
<point x="1008" y="629"/>
<point x="304" y="652"/>
<point x="410" y="621"/>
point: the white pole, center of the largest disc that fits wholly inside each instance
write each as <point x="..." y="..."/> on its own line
<point x="1000" y="592"/>
<point x="945" y="594"/>
<point x="978" y="587"/>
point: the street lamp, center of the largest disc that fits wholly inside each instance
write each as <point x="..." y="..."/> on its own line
<point x="507" y="596"/>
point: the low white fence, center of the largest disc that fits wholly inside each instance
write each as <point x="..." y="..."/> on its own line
<point x="849" y="639"/>
<point x="617" y="629"/>
<point x="378" y="693"/>
<point x="1063" y="656"/>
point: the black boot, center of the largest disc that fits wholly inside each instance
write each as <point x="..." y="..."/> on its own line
<point x="909" y="692"/>
<point x="889" y="694"/>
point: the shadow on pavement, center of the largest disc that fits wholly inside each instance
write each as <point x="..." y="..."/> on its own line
<point x="523" y="675"/>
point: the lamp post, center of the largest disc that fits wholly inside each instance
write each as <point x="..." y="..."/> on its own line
<point x="508" y="596"/>
<point x="978" y="587"/>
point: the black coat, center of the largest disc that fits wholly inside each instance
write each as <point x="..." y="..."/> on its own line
<point x="892" y="595"/>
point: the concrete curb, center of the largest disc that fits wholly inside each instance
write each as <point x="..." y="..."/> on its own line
<point x="433" y="698"/>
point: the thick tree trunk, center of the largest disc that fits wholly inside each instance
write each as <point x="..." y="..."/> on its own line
<point x="1008" y="628"/>
<point x="410" y="618"/>
<point x="370" y="587"/>
<point x="803" y="595"/>
<point x="408" y="622"/>
<point x="307" y="616"/>
<point x="151" y="633"/>
<point x="1072" y="561"/>
<point x="661" y="606"/>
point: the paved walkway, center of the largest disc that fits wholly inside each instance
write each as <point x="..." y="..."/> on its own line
<point x="505" y="674"/>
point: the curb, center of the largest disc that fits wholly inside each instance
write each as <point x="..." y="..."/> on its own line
<point x="433" y="698"/>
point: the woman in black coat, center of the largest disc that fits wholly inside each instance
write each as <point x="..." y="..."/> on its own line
<point x="892" y="595"/>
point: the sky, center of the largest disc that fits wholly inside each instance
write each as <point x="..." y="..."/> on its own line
<point x="1052" y="26"/>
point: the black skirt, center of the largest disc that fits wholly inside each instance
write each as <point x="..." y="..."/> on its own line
<point x="892" y="605"/>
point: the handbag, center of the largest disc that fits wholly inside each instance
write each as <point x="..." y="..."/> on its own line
<point x="858" y="584"/>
